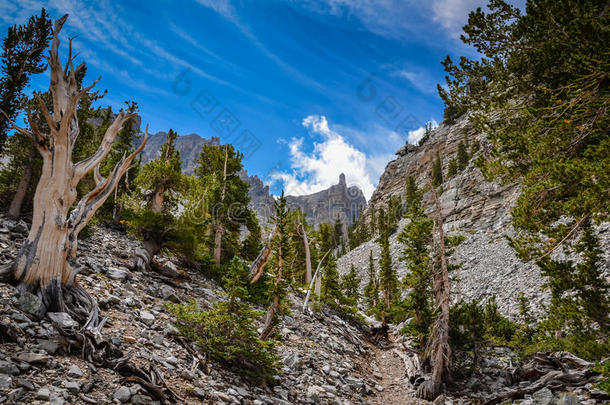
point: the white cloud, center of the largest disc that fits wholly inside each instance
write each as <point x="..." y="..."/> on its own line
<point x="388" y="18"/>
<point x="320" y="168"/>
<point x="222" y="7"/>
<point x="417" y="134"/>
<point x="420" y="80"/>
<point x="453" y="14"/>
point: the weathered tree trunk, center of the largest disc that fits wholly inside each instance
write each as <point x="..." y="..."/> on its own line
<point x="276" y="299"/>
<point x="218" y="232"/>
<point x="317" y="291"/>
<point x="315" y="279"/>
<point x="219" y="229"/>
<point x="269" y="318"/>
<point x="157" y="199"/>
<point x="14" y="210"/>
<point x="45" y="263"/>
<point x="439" y="349"/>
<point x="258" y="265"/>
<point x="145" y="253"/>
<point x="307" y="255"/>
<point x="150" y="247"/>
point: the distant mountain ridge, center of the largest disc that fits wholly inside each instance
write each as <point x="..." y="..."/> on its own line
<point x="323" y="206"/>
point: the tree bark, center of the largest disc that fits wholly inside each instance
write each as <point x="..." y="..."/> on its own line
<point x="258" y="265"/>
<point x="219" y="229"/>
<point x="439" y="350"/>
<point x="45" y="264"/>
<point x="276" y="299"/>
<point x="145" y="254"/>
<point x="315" y="279"/>
<point x="14" y="210"/>
<point x="218" y="232"/>
<point x="269" y="318"/>
<point x="307" y="256"/>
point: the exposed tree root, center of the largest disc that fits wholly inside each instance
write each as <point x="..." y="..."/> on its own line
<point x="378" y="334"/>
<point x="86" y="339"/>
<point x="556" y="371"/>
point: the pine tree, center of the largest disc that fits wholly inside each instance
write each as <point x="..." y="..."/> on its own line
<point x="331" y="287"/>
<point x="350" y="285"/>
<point x="277" y="285"/>
<point x="462" y="156"/>
<point x="325" y="237"/>
<point x="337" y="232"/>
<point x="417" y="238"/>
<point x="437" y="171"/>
<point x="427" y="133"/>
<point x="153" y="206"/>
<point x="579" y="298"/>
<point x="371" y="291"/>
<point x="413" y="198"/>
<point x="22" y="53"/>
<point x="228" y="331"/>
<point x="388" y="280"/>
<point x="218" y="167"/>
<point x="452" y="168"/>
<point x="544" y="77"/>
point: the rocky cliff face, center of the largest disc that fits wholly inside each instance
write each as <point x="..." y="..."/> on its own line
<point x="188" y="145"/>
<point x="471" y="206"/>
<point x="261" y="200"/>
<point x="468" y="201"/>
<point x="324" y="206"/>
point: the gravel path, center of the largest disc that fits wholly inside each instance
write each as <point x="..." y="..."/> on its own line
<point x="395" y="387"/>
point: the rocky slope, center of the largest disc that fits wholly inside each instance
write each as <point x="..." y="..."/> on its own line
<point x="472" y="207"/>
<point x="325" y="359"/>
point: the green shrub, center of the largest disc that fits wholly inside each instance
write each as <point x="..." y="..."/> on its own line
<point x="228" y="331"/>
<point x="604" y="369"/>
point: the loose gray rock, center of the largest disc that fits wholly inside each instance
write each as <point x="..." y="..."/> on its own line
<point x="140" y="399"/>
<point x="49" y="346"/>
<point x="199" y="393"/>
<point x="73" y="387"/>
<point x="169" y="294"/>
<point x="62" y="320"/>
<point x="31" y="304"/>
<point x="8" y="367"/>
<point x="123" y="394"/>
<point x="33" y="358"/>
<point x="43" y="394"/>
<point x="5" y="381"/>
<point x="543" y="397"/>
<point x="117" y="274"/>
<point x="147" y="318"/>
<point x="568" y="399"/>
<point x="75" y="371"/>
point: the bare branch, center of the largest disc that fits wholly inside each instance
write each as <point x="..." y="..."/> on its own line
<point x="16" y="127"/>
<point x="85" y="166"/>
<point x="45" y="112"/>
<point x="565" y="238"/>
<point x="89" y="204"/>
<point x="97" y="176"/>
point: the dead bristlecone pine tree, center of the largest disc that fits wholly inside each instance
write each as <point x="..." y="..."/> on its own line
<point x="45" y="265"/>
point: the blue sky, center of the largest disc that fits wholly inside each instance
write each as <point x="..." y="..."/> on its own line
<point x="307" y="89"/>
